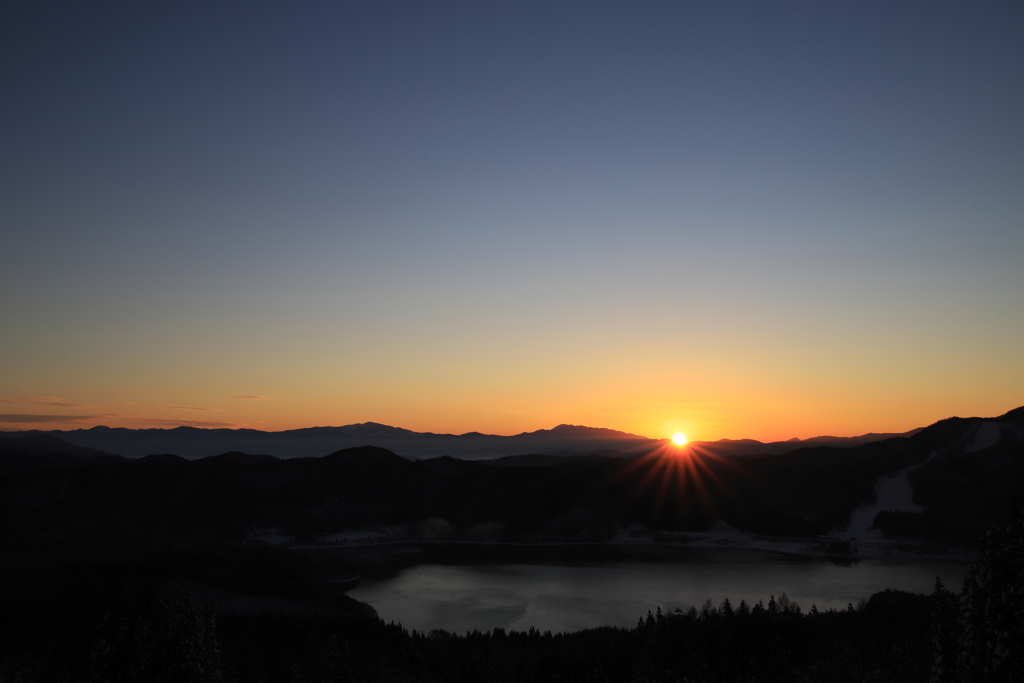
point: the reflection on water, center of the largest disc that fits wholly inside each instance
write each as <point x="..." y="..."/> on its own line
<point x="568" y="598"/>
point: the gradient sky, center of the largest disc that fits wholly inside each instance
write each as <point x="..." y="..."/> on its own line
<point x="763" y="220"/>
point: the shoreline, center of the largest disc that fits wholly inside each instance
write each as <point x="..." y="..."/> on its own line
<point x="897" y="549"/>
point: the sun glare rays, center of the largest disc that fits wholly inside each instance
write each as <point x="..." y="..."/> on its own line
<point x="680" y="475"/>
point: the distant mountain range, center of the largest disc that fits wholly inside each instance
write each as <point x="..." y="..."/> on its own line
<point x="724" y="447"/>
<point x="970" y="470"/>
<point x="563" y="440"/>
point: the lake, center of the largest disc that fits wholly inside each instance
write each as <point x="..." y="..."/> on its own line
<point x="570" y="597"/>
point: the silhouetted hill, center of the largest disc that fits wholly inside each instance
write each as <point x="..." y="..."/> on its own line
<point x="578" y="432"/>
<point x="727" y="447"/>
<point x="44" y="443"/>
<point x="239" y="458"/>
<point x="366" y="454"/>
<point x="976" y="469"/>
<point x="1015" y="415"/>
<point x="36" y="452"/>
<point x="162" y="457"/>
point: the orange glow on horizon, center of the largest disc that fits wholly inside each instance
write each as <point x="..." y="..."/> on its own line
<point x="702" y="415"/>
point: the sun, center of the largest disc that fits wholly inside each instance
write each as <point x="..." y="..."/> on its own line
<point x="679" y="438"/>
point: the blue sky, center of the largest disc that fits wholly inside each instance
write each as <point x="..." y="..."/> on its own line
<point x="739" y="219"/>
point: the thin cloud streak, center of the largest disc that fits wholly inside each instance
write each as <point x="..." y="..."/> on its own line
<point x="46" y="401"/>
<point x="122" y="419"/>
<point x="254" y="398"/>
<point x="53" y="401"/>
<point x="202" y="410"/>
<point x="43" y="419"/>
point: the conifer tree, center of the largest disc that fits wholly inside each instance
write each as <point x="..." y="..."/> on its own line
<point x="991" y="605"/>
<point x="184" y="644"/>
<point x="944" y="634"/>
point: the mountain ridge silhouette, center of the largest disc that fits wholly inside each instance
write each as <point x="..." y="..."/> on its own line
<point x="564" y="439"/>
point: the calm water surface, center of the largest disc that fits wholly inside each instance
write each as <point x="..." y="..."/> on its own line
<point x="557" y="597"/>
